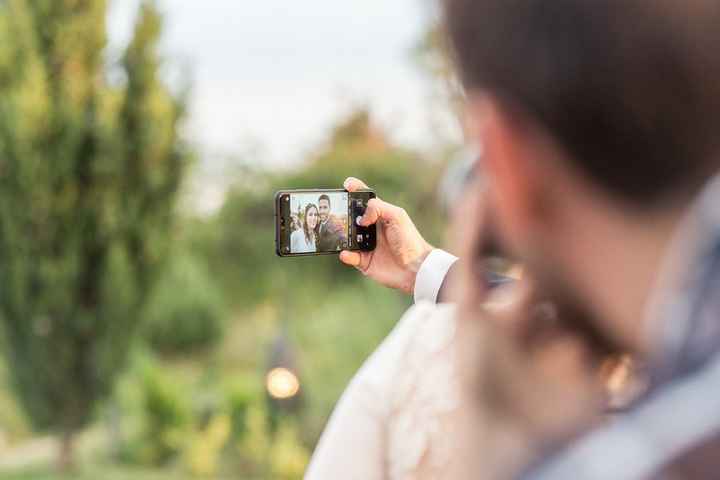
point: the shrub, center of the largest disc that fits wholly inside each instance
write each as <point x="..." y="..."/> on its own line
<point x="289" y="457"/>
<point x="203" y="455"/>
<point x="186" y="311"/>
<point x="164" y="419"/>
<point x="241" y="396"/>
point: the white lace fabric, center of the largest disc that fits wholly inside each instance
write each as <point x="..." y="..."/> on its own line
<point x="392" y="421"/>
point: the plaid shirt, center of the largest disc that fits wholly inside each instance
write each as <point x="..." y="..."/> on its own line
<point x="682" y="409"/>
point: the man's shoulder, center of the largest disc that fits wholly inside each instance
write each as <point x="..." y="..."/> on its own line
<point x="427" y="321"/>
<point x="424" y="330"/>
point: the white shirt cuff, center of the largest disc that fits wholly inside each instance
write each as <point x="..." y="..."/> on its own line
<point x="430" y="277"/>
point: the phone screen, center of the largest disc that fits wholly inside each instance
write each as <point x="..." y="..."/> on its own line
<point x="321" y="222"/>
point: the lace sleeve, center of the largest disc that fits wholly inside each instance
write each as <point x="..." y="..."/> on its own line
<point x="424" y="394"/>
<point x="387" y="423"/>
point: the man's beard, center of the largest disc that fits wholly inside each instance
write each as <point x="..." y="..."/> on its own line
<point x="523" y="391"/>
<point x="575" y="315"/>
<point x="531" y="373"/>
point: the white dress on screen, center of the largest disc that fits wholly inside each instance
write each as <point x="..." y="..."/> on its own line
<point x="299" y="244"/>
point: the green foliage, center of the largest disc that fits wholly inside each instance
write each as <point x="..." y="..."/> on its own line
<point x="204" y="454"/>
<point x="278" y="455"/>
<point x="241" y="396"/>
<point x="243" y="247"/>
<point x="101" y="471"/>
<point x="167" y="417"/>
<point x="185" y="311"/>
<point x="89" y="178"/>
<point x="256" y="444"/>
<point x="288" y="457"/>
<point x="235" y="439"/>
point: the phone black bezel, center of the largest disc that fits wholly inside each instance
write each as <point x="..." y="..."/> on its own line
<point x="278" y="216"/>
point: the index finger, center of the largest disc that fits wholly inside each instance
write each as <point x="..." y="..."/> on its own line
<point x="353" y="184"/>
<point x="378" y="210"/>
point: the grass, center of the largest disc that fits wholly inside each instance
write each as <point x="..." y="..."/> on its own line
<point x="96" y="472"/>
<point x="106" y="472"/>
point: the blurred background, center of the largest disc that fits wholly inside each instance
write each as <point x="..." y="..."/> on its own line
<point x="147" y="328"/>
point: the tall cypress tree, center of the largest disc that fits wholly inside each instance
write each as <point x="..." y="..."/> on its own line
<point x="89" y="174"/>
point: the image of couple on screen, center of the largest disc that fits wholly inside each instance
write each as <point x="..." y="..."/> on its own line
<point x="317" y="229"/>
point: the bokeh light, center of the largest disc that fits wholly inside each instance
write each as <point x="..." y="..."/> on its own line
<point x="281" y="383"/>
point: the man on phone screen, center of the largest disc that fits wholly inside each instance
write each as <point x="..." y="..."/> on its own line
<point x="331" y="236"/>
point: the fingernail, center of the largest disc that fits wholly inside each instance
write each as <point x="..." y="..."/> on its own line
<point x="346" y="183"/>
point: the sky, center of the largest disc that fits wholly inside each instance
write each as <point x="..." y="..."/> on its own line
<point x="270" y="77"/>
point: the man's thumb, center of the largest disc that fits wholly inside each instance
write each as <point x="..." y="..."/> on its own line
<point x="351" y="259"/>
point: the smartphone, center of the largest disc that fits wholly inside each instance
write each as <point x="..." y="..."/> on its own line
<point x="321" y="222"/>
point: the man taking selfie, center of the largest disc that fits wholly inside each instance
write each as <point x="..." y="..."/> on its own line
<point x="600" y="126"/>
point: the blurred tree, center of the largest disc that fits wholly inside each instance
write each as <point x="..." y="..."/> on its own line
<point x="89" y="170"/>
<point x="432" y="54"/>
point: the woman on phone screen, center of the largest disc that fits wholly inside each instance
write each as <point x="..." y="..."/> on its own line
<point x="305" y="239"/>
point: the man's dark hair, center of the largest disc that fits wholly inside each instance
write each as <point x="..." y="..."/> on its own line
<point x="629" y="88"/>
<point x="324" y="197"/>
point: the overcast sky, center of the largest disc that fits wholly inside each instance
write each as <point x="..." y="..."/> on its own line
<point x="278" y="73"/>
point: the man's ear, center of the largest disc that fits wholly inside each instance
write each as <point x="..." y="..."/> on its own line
<point x="511" y="164"/>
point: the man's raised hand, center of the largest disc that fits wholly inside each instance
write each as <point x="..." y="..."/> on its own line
<point x="400" y="248"/>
